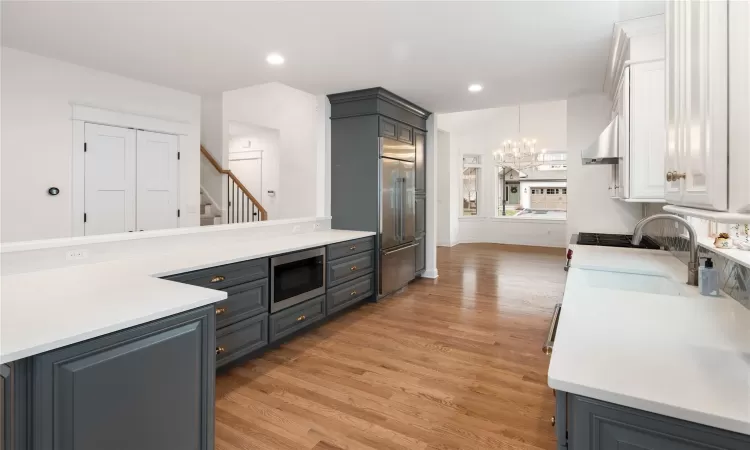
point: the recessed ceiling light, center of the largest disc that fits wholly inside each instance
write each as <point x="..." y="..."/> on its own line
<point x="275" y="59"/>
<point x="475" y="87"/>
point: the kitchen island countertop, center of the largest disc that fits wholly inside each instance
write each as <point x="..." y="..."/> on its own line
<point x="49" y="309"/>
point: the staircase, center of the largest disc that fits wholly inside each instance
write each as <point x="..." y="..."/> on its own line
<point x="210" y="214"/>
<point x="239" y="207"/>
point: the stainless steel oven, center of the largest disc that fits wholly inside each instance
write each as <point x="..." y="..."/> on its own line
<point x="297" y="277"/>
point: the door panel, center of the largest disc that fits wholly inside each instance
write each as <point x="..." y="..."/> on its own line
<point x="420" y="170"/>
<point x="623" y="135"/>
<point x="109" y="179"/>
<point x="390" y="220"/>
<point x="647" y="130"/>
<point x="408" y="221"/>
<point x="697" y="97"/>
<point x="157" y="180"/>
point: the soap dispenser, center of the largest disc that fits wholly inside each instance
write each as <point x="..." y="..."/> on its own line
<point x="708" y="279"/>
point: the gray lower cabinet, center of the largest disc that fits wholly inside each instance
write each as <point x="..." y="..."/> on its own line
<point x="348" y="248"/>
<point x="420" y="173"/>
<point x="222" y="277"/>
<point x="295" y="318"/>
<point x="349" y="293"/>
<point x="241" y="338"/>
<point x="150" y="387"/>
<point x="597" y="425"/>
<point x="349" y="268"/>
<point x="243" y="301"/>
<point x="420" y="206"/>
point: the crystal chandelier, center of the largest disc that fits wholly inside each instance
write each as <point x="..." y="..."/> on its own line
<point x="519" y="154"/>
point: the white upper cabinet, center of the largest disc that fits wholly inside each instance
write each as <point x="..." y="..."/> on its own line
<point x="647" y="139"/>
<point x="636" y="80"/>
<point x="697" y="102"/>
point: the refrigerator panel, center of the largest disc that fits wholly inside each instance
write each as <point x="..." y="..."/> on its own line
<point x="408" y="210"/>
<point x="397" y="268"/>
<point x="391" y="148"/>
<point x="390" y="202"/>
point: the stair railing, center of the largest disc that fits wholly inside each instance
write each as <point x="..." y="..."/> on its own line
<point x="241" y="205"/>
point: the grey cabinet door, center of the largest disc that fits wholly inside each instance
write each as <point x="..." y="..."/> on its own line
<point x="149" y="387"/>
<point x="405" y="133"/>
<point x="388" y="128"/>
<point x="420" y="205"/>
<point x="419" y="263"/>
<point x="349" y="293"/>
<point x="336" y="251"/>
<point x="241" y="338"/>
<point x="245" y="300"/>
<point x="349" y="268"/>
<point x="597" y="425"/>
<point x="420" y="172"/>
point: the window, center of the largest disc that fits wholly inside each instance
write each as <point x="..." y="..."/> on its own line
<point x="533" y="191"/>
<point x="471" y="181"/>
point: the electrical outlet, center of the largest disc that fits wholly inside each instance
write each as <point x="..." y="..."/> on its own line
<point x="295" y="229"/>
<point x="73" y="255"/>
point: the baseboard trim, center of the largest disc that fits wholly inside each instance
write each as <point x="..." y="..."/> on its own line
<point x="430" y="273"/>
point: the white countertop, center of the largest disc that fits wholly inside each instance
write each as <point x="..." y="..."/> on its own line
<point x="49" y="309"/>
<point x="686" y="356"/>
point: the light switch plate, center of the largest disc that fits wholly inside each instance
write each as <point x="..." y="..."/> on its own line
<point x="73" y="255"/>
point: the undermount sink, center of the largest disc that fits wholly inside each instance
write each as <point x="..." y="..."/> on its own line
<point x="651" y="284"/>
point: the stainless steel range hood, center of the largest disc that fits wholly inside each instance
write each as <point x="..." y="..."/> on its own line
<point x="604" y="149"/>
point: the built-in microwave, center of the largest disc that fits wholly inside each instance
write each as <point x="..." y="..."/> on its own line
<point x="297" y="277"/>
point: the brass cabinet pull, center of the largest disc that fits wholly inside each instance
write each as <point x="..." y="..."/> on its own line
<point x="353" y="293"/>
<point x="670" y="177"/>
<point x="353" y="268"/>
<point x="553" y="421"/>
<point x="353" y="247"/>
<point x="676" y="176"/>
<point x="220" y="350"/>
<point x="217" y="278"/>
<point x="220" y="311"/>
<point x="301" y="318"/>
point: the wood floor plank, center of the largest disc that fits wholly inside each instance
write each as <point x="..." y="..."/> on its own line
<point x="450" y="363"/>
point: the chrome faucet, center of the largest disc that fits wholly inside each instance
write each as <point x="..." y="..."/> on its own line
<point x="693" y="264"/>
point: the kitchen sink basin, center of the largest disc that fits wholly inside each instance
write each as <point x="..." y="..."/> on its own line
<point x="652" y="284"/>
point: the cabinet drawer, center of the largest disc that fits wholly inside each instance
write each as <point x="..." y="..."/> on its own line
<point x="388" y="128"/>
<point x="336" y="251"/>
<point x="349" y="293"/>
<point x="405" y="133"/>
<point x="349" y="268"/>
<point x="296" y="318"/>
<point x="241" y="338"/>
<point x="220" y="277"/>
<point x="245" y="300"/>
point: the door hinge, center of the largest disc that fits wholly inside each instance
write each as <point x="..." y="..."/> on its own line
<point x="178" y="213"/>
<point x="84" y="147"/>
<point x="84" y="217"/>
<point x="178" y="156"/>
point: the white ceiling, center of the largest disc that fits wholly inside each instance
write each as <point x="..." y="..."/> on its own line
<point x="427" y="52"/>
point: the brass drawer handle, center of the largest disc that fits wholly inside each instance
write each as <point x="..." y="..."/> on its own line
<point x="301" y="318"/>
<point x="353" y="247"/>
<point x="353" y="268"/>
<point x="676" y="176"/>
<point x="353" y="293"/>
<point x="220" y="350"/>
<point x="552" y="421"/>
<point x="670" y="176"/>
<point x="220" y="311"/>
<point x="217" y="278"/>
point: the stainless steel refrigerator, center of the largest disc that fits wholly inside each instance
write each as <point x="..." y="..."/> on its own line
<point x="397" y="214"/>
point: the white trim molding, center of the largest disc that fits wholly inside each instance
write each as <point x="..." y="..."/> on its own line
<point x="82" y="114"/>
<point x="103" y="116"/>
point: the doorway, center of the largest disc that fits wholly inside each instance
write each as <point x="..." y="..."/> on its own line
<point x="248" y="168"/>
<point x="130" y="180"/>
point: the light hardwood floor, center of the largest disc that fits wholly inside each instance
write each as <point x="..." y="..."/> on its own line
<point x="450" y="363"/>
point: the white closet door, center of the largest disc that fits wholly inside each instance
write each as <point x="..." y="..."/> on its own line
<point x="157" y="180"/>
<point x="109" y="167"/>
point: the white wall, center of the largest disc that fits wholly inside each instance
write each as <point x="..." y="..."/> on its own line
<point x="269" y="141"/>
<point x="589" y="207"/>
<point x="483" y="132"/>
<point x="294" y="114"/>
<point x="444" y="186"/>
<point x="36" y="147"/>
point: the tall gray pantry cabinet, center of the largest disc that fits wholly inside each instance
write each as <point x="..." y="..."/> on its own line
<point x="358" y="120"/>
